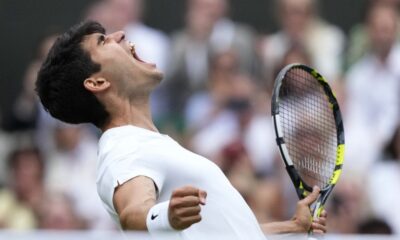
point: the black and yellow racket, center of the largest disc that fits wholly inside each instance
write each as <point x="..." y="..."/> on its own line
<point x="309" y="131"/>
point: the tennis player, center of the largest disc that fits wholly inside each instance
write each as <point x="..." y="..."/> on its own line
<point x="146" y="180"/>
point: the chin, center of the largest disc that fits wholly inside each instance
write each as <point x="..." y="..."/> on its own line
<point x="158" y="75"/>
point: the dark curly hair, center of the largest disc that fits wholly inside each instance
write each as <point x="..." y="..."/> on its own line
<point x="60" y="80"/>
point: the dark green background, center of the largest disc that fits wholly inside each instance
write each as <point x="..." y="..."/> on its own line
<point x="24" y="22"/>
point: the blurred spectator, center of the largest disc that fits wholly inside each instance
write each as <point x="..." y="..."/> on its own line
<point x="109" y="18"/>
<point x="26" y="119"/>
<point x="346" y="207"/>
<point x="6" y="145"/>
<point x="237" y="166"/>
<point x="57" y="213"/>
<point x="189" y="57"/>
<point x="13" y="214"/>
<point x="204" y="105"/>
<point x="294" y="54"/>
<point x="373" y="93"/>
<point x="76" y="153"/>
<point x="208" y="31"/>
<point x="226" y="115"/>
<point x="267" y="200"/>
<point x="302" y="27"/>
<point x="24" y="113"/>
<point x="385" y="176"/>
<point x="227" y="35"/>
<point x="25" y="189"/>
<point x="374" y="226"/>
<point x="27" y="174"/>
<point x="358" y="42"/>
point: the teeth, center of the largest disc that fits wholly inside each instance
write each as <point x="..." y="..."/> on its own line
<point x="132" y="48"/>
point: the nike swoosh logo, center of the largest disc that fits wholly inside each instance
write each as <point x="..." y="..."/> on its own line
<point x="153" y="216"/>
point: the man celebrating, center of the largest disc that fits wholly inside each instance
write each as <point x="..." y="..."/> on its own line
<point x="146" y="180"/>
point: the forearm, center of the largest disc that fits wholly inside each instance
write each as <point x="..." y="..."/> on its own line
<point x="281" y="227"/>
<point x="134" y="218"/>
<point x="133" y="200"/>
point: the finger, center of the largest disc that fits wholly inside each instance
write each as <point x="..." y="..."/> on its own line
<point x="183" y="223"/>
<point x="188" y="221"/>
<point x="321" y="220"/>
<point x="324" y="214"/>
<point x="182" y="202"/>
<point x="185" y="191"/>
<point x="317" y="226"/>
<point x="311" y="197"/>
<point x="188" y="211"/>
<point x="202" y="196"/>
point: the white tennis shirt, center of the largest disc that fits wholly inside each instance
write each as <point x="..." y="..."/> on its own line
<point x="128" y="151"/>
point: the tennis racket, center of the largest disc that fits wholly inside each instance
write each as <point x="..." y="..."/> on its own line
<point x="309" y="131"/>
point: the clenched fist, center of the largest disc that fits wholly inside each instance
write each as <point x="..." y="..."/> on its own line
<point x="184" y="207"/>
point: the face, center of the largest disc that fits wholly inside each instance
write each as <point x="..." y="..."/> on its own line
<point x="382" y="29"/>
<point x="295" y="16"/>
<point x="57" y="213"/>
<point x="27" y="173"/>
<point x="123" y="11"/>
<point x="216" y="9"/>
<point x="121" y="67"/>
<point x="67" y="138"/>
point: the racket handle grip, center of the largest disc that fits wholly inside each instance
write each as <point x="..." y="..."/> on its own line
<point x="317" y="210"/>
<point x="316" y="213"/>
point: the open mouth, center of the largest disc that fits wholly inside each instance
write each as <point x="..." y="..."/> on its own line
<point x="133" y="52"/>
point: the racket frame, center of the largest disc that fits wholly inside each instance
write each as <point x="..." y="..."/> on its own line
<point x="302" y="188"/>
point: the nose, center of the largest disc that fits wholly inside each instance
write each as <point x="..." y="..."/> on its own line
<point x="117" y="36"/>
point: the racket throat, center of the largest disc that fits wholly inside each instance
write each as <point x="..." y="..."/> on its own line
<point x="299" y="186"/>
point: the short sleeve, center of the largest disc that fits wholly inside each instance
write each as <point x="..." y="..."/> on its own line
<point x="129" y="168"/>
<point x="120" y="164"/>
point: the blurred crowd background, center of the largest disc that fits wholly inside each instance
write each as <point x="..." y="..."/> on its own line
<point x="215" y="100"/>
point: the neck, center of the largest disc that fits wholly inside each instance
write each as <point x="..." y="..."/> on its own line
<point x="137" y="114"/>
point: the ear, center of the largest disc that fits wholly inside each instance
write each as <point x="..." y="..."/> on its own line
<point x="96" y="85"/>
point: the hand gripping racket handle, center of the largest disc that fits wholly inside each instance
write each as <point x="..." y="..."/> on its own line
<point x="316" y="213"/>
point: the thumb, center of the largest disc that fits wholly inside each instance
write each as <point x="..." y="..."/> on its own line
<point x="311" y="197"/>
<point x="202" y="196"/>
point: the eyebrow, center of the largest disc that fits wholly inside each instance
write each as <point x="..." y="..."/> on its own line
<point x="100" y="38"/>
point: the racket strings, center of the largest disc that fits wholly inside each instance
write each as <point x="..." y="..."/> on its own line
<point x="308" y="126"/>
